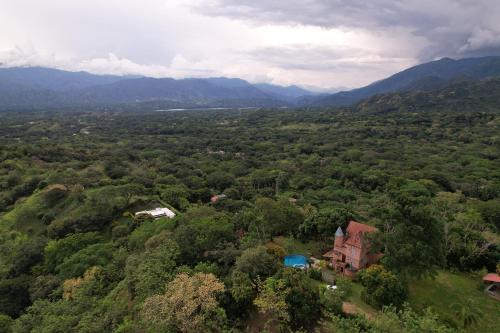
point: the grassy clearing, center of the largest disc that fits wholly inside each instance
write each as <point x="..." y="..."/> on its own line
<point x="24" y="216"/>
<point x="449" y="288"/>
<point x="292" y="245"/>
<point x="355" y="298"/>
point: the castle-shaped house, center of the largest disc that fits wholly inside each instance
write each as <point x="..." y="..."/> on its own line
<point x="351" y="251"/>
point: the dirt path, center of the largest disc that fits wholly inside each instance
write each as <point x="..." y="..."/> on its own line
<point x="350" y="308"/>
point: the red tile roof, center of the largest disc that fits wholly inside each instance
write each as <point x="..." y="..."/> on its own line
<point x="355" y="231"/>
<point x="491" y="277"/>
<point x="356" y="227"/>
<point x="329" y="254"/>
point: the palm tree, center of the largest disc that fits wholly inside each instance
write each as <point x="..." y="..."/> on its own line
<point x="467" y="314"/>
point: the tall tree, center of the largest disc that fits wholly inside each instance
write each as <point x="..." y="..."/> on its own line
<point x="189" y="304"/>
<point x="411" y="236"/>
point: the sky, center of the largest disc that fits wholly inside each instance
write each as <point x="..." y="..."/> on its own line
<point x="320" y="43"/>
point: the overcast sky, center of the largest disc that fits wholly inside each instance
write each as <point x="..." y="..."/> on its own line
<point x="324" y="43"/>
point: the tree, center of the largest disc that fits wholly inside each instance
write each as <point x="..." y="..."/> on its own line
<point x="467" y="247"/>
<point x="56" y="251"/>
<point x="44" y="286"/>
<point x="302" y="298"/>
<point x="147" y="229"/>
<point x="381" y="287"/>
<point x="242" y="287"/>
<point x="148" y="272"/>
<point x="271" y="300"/>
<point x="94" y="255"/>
<point x="26" y="255"/>
<point x="257" y="262"/>
<point x="411" y="237"/>
<point x="252" y="221"/>
<point x="281" y="217"/>
<point x="331" y="301"/>
<point x="71" y="286"/>
<point x="220" y="180"/>
<point x="444" y="206"/>
<point x="189" y="304"/>
<point x="14" y="295"/>
<point x="324" y="223"/>
<point x="201" y="230"/>
<point x="490" y="211"/>
<point x="176" y="196"/>
<point x="464" y="244"/>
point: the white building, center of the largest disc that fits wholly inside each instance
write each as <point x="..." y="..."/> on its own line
<point x="157" y="212"/>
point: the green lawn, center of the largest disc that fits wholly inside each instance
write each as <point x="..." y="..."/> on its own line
<point x="292" y="245"/>
<point x="449" y="288"/>
<point x="355" y="298"/>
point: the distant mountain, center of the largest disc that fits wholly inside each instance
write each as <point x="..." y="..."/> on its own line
<point x="40" y="78"/>
<point x="147" y="89"/>
<point x="425" y="77"/>
<point x="284" y="93"/>
<point x="38" y="87"/>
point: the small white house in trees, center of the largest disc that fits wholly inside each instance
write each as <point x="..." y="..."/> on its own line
<point x="157" y="212"/>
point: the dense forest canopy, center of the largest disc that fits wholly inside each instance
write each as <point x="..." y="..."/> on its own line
<point x="74" y="258"/>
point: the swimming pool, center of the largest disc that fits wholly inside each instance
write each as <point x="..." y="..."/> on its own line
<point x="296" y="260"/>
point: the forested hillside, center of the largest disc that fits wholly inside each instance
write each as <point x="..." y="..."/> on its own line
<point x="423" y="168"/>
<point x="428" y="76"/>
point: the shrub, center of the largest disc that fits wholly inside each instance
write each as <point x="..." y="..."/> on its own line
<point x="315" y="274"/>
<point x="330" y="300"/>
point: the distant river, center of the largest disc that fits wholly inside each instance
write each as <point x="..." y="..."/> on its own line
<point x="200" y="109"/>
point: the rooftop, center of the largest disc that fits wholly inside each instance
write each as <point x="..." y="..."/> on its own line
<point x="492" y="277"/>
<point x="157" y="212"/>
<point x="355" y="231"/>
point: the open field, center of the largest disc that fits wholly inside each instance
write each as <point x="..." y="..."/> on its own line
<point x="449" y="288"/>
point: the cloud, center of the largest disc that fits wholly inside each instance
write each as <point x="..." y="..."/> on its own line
<point x="324" y="43"/>
<point x="481" y="39"/>
<point x="450" y="27"/>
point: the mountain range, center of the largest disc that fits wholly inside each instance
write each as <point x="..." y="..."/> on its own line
<point x="37" y="87"/>
<point x="424" y="77"/>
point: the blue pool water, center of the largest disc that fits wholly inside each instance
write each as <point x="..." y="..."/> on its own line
<point x="296" y="260"/>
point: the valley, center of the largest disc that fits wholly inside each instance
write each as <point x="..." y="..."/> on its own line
<point x="72" y="247"/>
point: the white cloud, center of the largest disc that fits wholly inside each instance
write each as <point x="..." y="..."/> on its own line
<point x="480" y="39"/>
<point x="312" y="42"/>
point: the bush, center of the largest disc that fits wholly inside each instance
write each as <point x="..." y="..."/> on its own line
<point x="5" y="323"/>
<point x="331" y="300"/>
<point x="315" y="274"/>
<point x="344" y="285"/>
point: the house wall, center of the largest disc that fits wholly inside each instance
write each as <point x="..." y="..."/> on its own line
<point x="357" y="258"/>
